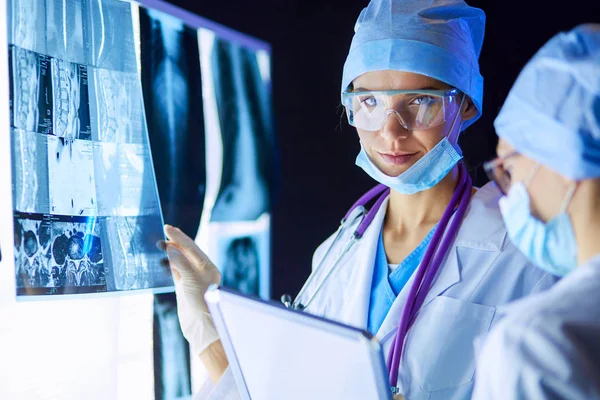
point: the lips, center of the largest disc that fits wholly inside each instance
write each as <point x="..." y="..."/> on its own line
<point x="397" y="159"/>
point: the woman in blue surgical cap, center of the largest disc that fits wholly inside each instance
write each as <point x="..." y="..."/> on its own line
<point x="422" y="261"/>
<point x="548" y="345"/>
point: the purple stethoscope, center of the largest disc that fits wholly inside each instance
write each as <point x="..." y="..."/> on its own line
<point x="436" y="251"/>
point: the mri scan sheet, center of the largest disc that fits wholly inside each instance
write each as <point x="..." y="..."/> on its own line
<point x="86" y="211"/>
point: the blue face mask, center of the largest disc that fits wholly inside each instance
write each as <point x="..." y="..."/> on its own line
<point x="551" y="245"/>
<point x="427" y="172"/>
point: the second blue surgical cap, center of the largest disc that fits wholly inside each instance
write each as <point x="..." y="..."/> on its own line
<point x="552" y="112"/>
<point x="441" y="39"/>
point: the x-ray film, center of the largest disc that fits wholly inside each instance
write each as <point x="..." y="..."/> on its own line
<point x="207" y="98"/>
<point x="27" y="24"/>
<point x="58" y="255"/>
<point x="136" y="261"/>
<point x="241" y="250"/>
<point x="242" y="94"/>
<point x="116" y="105"/>
<point x="64" y="30"/>
<point x="171" y="351"/>
<point x="31" y="98"/>
<point x="71" y="112"/>
<point x="121" y="175"/>
<point x="172" y="86"/>
<point x="241" y="160"/>
<point x="30" y="172"/>
<point x="110" y="36"/>
<point x="87" y="215"/>
<point x="71" y="177"/>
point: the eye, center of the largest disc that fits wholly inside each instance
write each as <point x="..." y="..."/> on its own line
<point x="368" y="101"/>
<point x="508" y="172"/>
<point x="421" y="100"/>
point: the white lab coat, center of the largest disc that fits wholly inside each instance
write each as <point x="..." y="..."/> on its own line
<point x="482" y="270"/>
<point x="548" y="345"/>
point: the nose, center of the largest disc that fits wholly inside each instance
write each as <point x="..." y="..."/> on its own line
<point x="394" y="128"/>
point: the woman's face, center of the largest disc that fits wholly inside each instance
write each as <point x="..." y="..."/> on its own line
<point x="393" y="149"/>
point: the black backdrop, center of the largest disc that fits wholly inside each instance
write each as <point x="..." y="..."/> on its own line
<point x="310" y="39"/>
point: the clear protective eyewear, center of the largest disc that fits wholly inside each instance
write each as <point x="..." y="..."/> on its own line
<point x="496" y="172"/>
<point x="414" y="109"/>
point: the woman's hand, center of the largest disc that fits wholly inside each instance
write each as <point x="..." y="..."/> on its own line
<point x="193" y="273"/>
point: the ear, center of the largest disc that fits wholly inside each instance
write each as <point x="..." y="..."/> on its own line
<point x="468" y="110"/>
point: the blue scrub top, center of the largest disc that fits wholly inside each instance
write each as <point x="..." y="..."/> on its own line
<point x="386" y="286"/>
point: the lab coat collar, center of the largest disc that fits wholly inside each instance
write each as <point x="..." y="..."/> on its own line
<point x="481" y="230"/>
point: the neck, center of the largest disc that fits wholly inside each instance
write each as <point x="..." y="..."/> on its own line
<point x="585" y="218"/>
<point x="407" y="212"/>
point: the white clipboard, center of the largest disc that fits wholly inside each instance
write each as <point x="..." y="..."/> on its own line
<point x="278" y="353"/>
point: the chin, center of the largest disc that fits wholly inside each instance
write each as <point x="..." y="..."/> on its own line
<point x="393" y="171"/>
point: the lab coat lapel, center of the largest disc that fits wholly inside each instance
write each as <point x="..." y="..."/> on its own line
<point x="474" y="235"/>
<point x="357" y="290"/>
<point x="479" y="232"/>
<point x="390" y="323"/>
<point x="447" y="276"/>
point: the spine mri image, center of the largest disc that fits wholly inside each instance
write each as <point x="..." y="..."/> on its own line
<point x="85" y="205"/>
<point x="54" y="253"/>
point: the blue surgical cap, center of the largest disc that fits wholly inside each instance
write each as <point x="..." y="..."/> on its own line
<point x="441" y="39"/>
<point x="552" y="112"/>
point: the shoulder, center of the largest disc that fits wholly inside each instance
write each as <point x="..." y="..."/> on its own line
<point x="533" y="351"/>
<point x="514" y="359"/>
<point x="484" y="238"/>
<point x="483" y="226"/>
<point x="571" y="298"/>
<point x="486" y="199"/>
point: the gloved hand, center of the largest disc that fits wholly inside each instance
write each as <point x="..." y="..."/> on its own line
<point x="193" y="273"/>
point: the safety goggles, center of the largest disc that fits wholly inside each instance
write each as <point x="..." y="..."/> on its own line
<point x="414" y="109"/>
<point x="496" y="172"/>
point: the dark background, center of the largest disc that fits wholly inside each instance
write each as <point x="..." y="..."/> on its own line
<point x="310" y="40"/>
